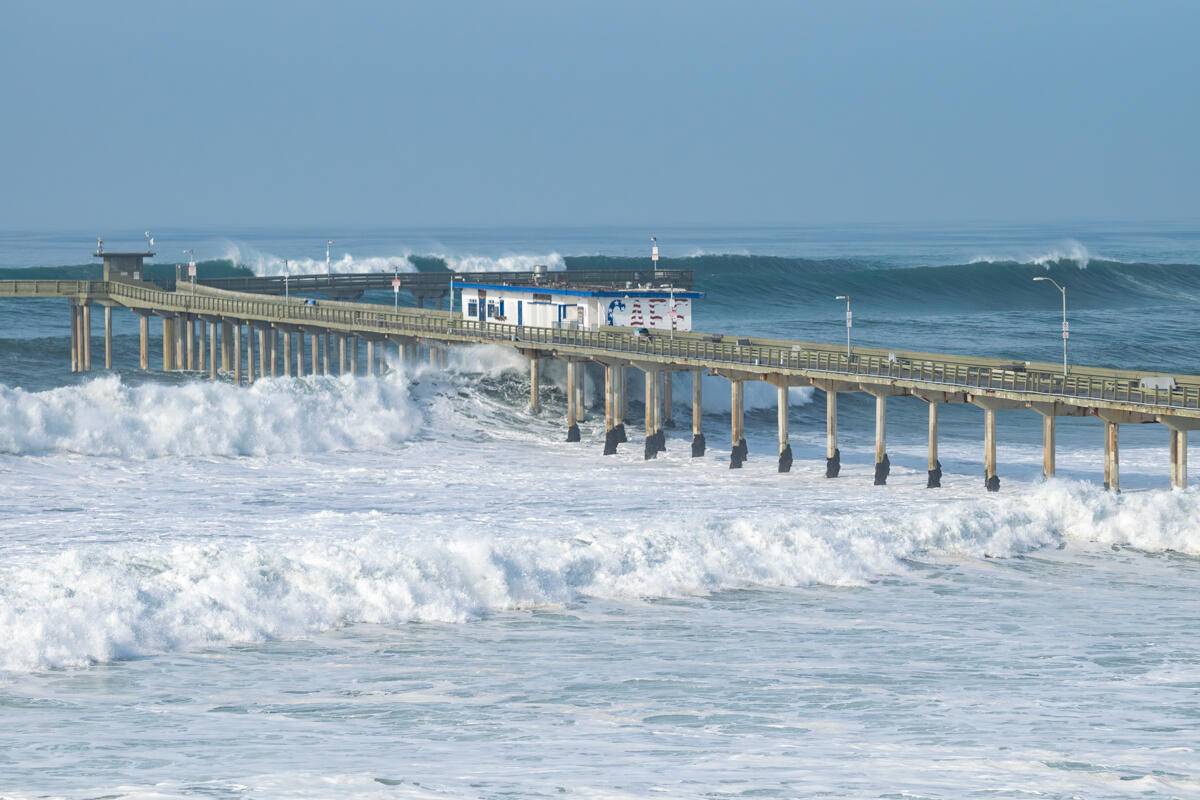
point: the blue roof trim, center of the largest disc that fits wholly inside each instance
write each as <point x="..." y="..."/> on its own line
<point x="650" y="293"/>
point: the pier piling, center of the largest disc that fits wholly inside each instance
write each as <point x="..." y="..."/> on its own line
<point x="144" y="340"/>
<point x="237" y="353"/>
<point x="108" y="337"/>
<point x="935" y="466"/>
<point x="883" y="465"/>
<point x="698" y="443"/>
<point x="86" y="337"/>
<point x="572" y="402"/>
<point x="785" y="449"/>
<point x="738" y="451"/>
<point x="534" y="384"/>
<point x="1112" y="469"/>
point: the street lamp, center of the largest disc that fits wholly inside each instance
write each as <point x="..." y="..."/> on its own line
<point x="849" y="321"/>
<point x="192" y="267"/>
<point x="285" y="280"/>
<point x="1066" y="333"/>
<point x="328" y="244"/>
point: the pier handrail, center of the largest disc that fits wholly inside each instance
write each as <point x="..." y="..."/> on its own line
<point x="935" y="371"/>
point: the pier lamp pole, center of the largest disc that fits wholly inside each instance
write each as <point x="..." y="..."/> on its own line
<point x="328" y="244"/>
<point x="849" y="321"/>
<point x="1066" y="333"/>
<point x="192" y="267"/>
<point x="285" y="280"/>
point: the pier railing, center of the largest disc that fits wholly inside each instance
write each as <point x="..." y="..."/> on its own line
<point x="937" y="372"/>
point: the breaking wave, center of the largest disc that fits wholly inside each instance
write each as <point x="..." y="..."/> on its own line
<point x="105" y="417"/>
<point x="84" y="606"/>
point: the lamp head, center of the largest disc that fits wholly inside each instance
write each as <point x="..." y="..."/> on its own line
<point x="842" y="297"/>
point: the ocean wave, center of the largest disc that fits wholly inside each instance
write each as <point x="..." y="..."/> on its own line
<point x="83" y="606"/>
<point x="261" y="263"/>
<point x="506" y="263"/>
<point x="105" y="417"/>
<point x="1068" y="251"/>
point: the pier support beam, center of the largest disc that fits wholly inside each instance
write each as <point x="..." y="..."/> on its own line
<point x="668" y="402"/>
<point x="86" y="335"/>
<point x="738" y="451"/>
<point x="237" y="354"/>
<point x="935" y="466"/>
<point x="1177" y="428"/>
<point x="534" y="384"/>
<point x="354" y="355"/>
<point x="74" y="315"/>
<point x="189" y="349"/>
<point x="785" y="449"/>
<point x="315" y="359"/>
<point x="1178" y="459"/>
<point x="572" y="406"/>
<point x="370" y="357"/>
<point x="651" y="381"/>
<point x="990" y="405"/>
<point x="144" y="341"/>
<point x="212" y="351"/>
<point x="1112" y="467"/>
<point x="833" y="456"/>
<point x="265" y="354"/>
<point x="698" y="443"/>
<point x="108" y="337"/>
<point x="580" y="386"/>
<point x="610" y="409"/>
<point x="200" y="352"/>
<point x="341" y="342"/>
<point x="250" y="354"/>
<point x="168" y="343"/>
<point x="1050" y="412"/>
<point x="325" y="353"/>
<point x="226" y="345"/>
<point x="882" y="464"/>
<point x="287" y="353"/>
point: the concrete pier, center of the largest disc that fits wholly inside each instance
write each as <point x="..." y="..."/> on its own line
<point x="354" y="355"/>
<point x="249" y="354"/>
<point x="534" y="385"/>
<point x="785" y="449"/>
<point x="668" y="402"/>
<point x="226" y="344"/>
<point x="341" y="343"/>
<point x="572" y="404"/>
<point x="698" y="443"/>
<point x="212" y="350"/>
<point x="287" y="353"/>
<point x="237" y="353"/>
<point x="610" y="409"/>
<point x="264" y="352"/>
<point x="833" y="456"/>
<point x="86" y="337"/>
<point x="651" y="442"/>
<point x="108" y="337"/>
<point x="737" y="424"/>
<point x="200" y="349"/>
<point x="73" y="312"/>
<point x="144" y="340"/>
<point x="189" y="349"/>
<point x="883" y="466"/>
<point x="934" y="480"/>
<point x="325" y="353"/>
<point x="370" y="357"/>
<point x="168" y="343"/>
<point x="1112" y="459"/>
<point x="1130" y="396"/>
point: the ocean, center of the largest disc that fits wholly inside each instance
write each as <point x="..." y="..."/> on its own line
<point x="412" y="586"/>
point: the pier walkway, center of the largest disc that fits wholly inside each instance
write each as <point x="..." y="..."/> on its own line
<point x="1115" y="397"/>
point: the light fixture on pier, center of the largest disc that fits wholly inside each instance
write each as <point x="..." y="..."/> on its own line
<point x="1065" y="330"/>
<point x="328" y="244"/>
<point x="849" y="321"/>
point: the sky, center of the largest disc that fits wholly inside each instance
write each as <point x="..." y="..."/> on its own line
<point x="241" y="114"/>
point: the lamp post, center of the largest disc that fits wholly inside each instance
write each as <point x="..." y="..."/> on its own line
<point x="192" y="267"/>
<point x="849" y="321"/>
<point x="1065" y="330"/>
<point x="328" y="244"/>
<point x="285" y="280"/>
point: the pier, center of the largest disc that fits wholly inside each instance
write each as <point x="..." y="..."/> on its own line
<point x="250" y="335"/>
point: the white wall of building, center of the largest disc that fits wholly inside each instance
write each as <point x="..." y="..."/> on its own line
<point x="551" y="310"/>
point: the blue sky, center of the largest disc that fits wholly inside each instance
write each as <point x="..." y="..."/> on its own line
<point x="561" y="113"/>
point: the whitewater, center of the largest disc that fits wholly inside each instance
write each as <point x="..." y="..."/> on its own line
<point x="411" y="586"/>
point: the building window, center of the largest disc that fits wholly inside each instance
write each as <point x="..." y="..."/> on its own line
<point x="473" y="309"/>
<point x="491" y="309"/>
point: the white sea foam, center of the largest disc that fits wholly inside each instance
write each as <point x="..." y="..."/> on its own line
<point x="1069" y="250"/>
<point x="506" y="263"/>
<point x="80" y="606"/>
<point x="269" y="264"/>
<point x="106" y="417"/>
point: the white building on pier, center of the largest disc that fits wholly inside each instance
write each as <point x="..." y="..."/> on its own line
<point x="660" y="308"/>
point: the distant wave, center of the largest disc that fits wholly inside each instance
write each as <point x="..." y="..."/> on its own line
<point x="1070" y="250"/>
<point x="116" y="601"/>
